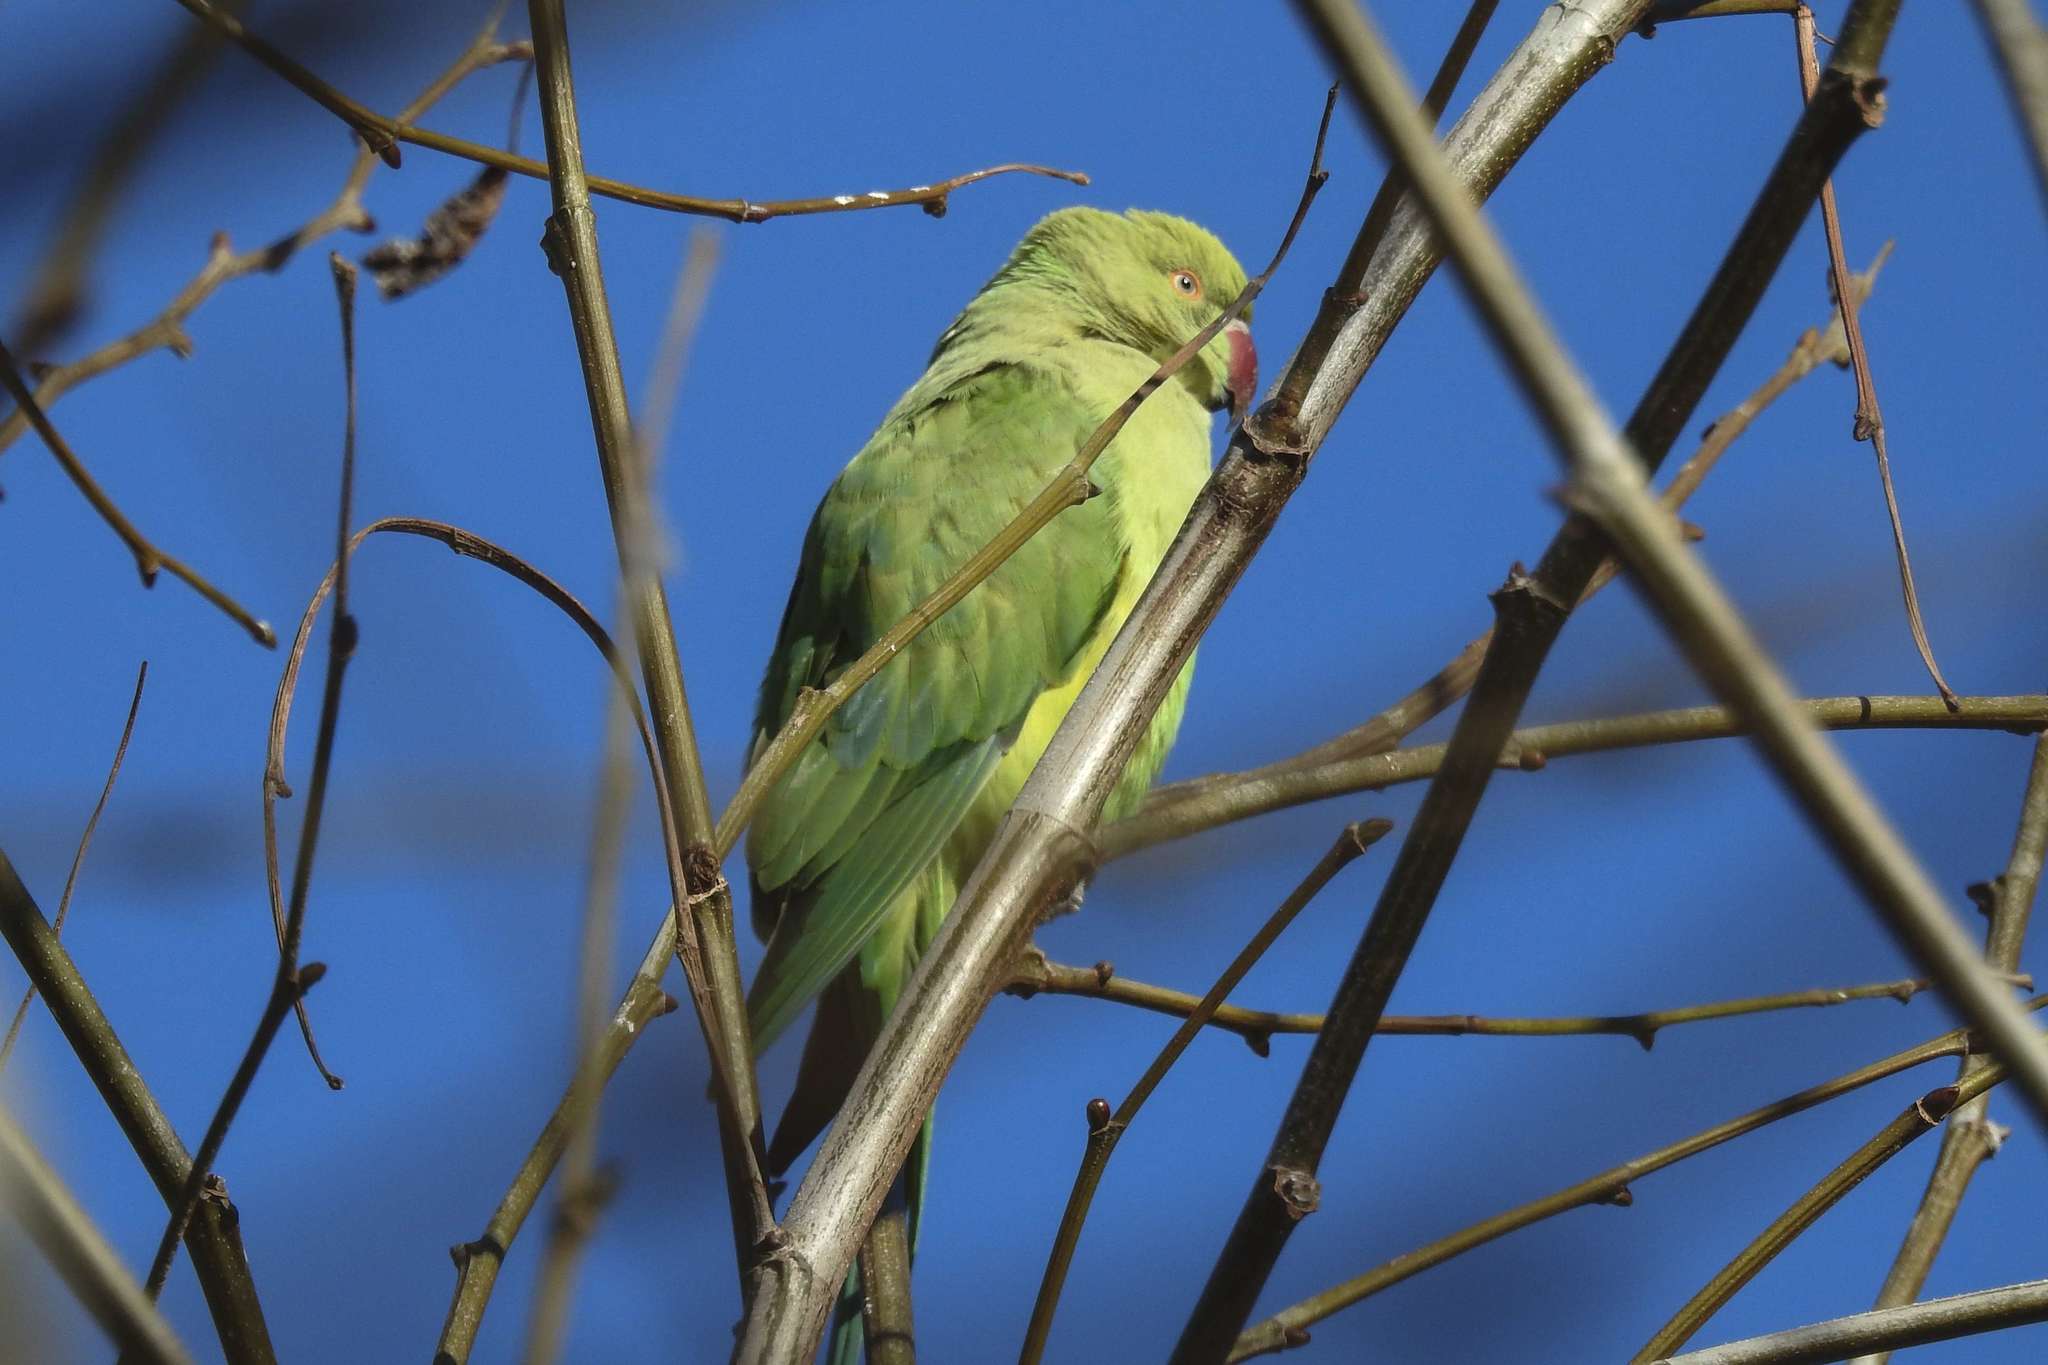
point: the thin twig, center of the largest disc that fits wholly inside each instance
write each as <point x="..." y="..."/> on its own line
<point x="65" y="1232"/>
<point x="1917" y="1118"/>
<point x="149" y="558"/>
<point x="1887" y="1329"/>
<point x="166" y="331"/>
<point x="707" y="952"/>
<point x="213" y="1238"/>
<point x="1289" y="1327"/>
<point x="1105" y="1129"/>
<point x="1971" y="1137"/>
<point x="1042" y="847"/>
<point x="291" y="981"/>
<point x="1869" y="417"/>
<point x="1279" y="787"/>
<point x="2021" y="45"/>
<point x="78" y="857"/>
<point x="383" y="135"/>
<point x="1038" y="976"/>
<point x="1161" y="817"/>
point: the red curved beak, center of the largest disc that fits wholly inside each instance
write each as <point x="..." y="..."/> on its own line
<point x="1244" y="369"/>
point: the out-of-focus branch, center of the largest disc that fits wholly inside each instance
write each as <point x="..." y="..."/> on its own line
<point x="149" y="558"/>
<point x="1038" y="976"/>
<point x="382" y="135"/>
<point x="1163" y="816"/>
<point x="1105" y="1129"/>
<point x="1917" y="1118"/>
<point x="78" y="857"/>
<point x="706" y="949"/>
<point x="1289" y="1327"/>
<point x="166" y="331"/>
<point x="1869" y="416"/>
<point x="1886" y="1329"/>
<point x="65" y="1232"/>
<point x="2021" y="45"/>
<point x="58" y="295"/>
<point x="1971" y="1138"/>
<point x="1041" y="847"/>
<point x="1279" y="787"/>
<point x="213" y="1237"/>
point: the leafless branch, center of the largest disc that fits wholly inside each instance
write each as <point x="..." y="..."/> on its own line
<point x="1887" y="1329"/>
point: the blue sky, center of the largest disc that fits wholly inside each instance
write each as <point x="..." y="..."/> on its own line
<point x="451" y="864"/>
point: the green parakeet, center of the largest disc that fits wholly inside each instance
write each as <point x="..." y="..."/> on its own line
<point x="858" y="853"/>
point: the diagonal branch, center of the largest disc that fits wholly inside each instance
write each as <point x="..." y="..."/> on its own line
<point x="59" y="1224"/>
<point x="1041" y="848"/>
<point x="1887" y="1329"/>
<point x="213" y="1237"/>
<point x="2021" y="45"/>
<point x="382" y="136"/>
<point x="1106" y="1129"/>
<point x="1971" y="1138"/>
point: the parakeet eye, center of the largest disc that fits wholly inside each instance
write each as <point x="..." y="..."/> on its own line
<point x="1187" y="283"/>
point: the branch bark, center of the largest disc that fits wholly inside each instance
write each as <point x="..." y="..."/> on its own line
<point x="1042" y="848"/>
<point x="1887" y="1329"/>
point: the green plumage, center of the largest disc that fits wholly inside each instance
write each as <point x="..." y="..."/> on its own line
<point x="857" y="854"/>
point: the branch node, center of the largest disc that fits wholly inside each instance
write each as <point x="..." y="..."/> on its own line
<point x="1620" y="1197"/>
<point x="1298" y="1190"/>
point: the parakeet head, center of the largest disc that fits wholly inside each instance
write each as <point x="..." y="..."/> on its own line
<point x="1149" y="281"/>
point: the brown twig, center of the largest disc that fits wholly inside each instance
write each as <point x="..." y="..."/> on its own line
<point x="166" y="331"/>
<point x="1105" y="1129"/>
<point x="383" y="135"/>
<point x="78" y="857"/>
<point x="1971" y="1137"/>
<point x="291" y="981"/>
<point x="213" y="1237"/>
<point x="1167" y="812"/>
<point x="149" y="559"/>
<point x="1037" y="976"/>
<point x="1869" y="417"/>
<point x="1289" y="1327"/>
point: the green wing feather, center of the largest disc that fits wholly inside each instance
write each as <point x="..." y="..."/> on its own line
<point x="874" y="798"/>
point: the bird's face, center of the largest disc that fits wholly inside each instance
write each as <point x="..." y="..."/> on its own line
<point x="1151" y="281"/>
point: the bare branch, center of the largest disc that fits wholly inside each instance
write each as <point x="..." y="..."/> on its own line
<point x="1869" y="417"/>
<point x="58" y="1224"/>
<point x="1289" y="1327"/>
<point x="2021" y="45"/>
<point x="149" y="559"/>
<point x="1917" y="1118"/>
<point x="1038" y="976"/>
<point x="1105" y="1129"/>
<point x="78" y="857"/>
<point x="213" y="1237"/>
<point x="382" y="135"/>
<point x="1887" y="1329"/>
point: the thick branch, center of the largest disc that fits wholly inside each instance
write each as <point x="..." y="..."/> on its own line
<point x="2021" y="45"/>
<point x="1887" y="1329"/>
<point x="1971" y="1138"/>
<point x="1041" y="847"/>
<point x="212" y="1236"/>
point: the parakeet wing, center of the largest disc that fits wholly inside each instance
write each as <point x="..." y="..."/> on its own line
<point x="866" y="806"/>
